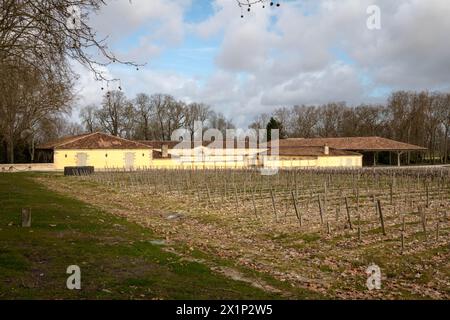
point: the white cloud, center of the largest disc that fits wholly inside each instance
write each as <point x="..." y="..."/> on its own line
<point x="309" y="51"/>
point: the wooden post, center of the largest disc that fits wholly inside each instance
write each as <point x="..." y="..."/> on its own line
<point x="357" y="198"/>
<point x="254" y="205"/>
<point x="424" y="221"/>
<point x="391" y="186"/>
<point x="349" y="219"/>
<point x="328" y="228"/>
<point x="380" y="211"/>
<point x="209" y="195"/>
<point x="198" y="194"/>
<point x="403" y="241"/>
<point x="273" y="205"/>
<point x="299" y="217"/>
<point x="236" y="200"/>
<point x="437" y="231"/>
<point x="320" y="209"/>
<point x="26" y="218"/>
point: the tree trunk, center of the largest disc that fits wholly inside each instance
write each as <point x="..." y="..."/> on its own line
<point x="32" y="150"/>
<point x="11" y="149"/>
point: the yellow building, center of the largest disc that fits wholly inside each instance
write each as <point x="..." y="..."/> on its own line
<point x="98" y="150"/>
<point x="211" y="155"/>
<point x="203" y="155"/>
<point x="103" y="151"/>
<point x="312" y="157"/>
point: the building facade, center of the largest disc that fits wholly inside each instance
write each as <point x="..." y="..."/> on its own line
<point x="104" y="152"/>
<point x="99" y="150"/>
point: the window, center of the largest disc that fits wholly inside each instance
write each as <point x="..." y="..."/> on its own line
<point x="129" y="160"/>
<point x="82" y="159"/>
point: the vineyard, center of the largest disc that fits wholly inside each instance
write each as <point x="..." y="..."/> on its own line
<point x="317" y="229"/>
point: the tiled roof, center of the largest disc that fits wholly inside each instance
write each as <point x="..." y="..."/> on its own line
<point x="159" y="144"/>
<point x="226" y="144"/>
<point x="310" y="151"/>
<point x="353" y="144"/>
<point x="96" y="140"/>
<point x="53" y="144"/>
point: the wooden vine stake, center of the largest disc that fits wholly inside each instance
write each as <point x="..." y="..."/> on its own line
<point x="254" y="205"/>
<point x="349" y="218"/>
<point x="273" y="205"/>
<point x="380" y="211"/>
<point x="391" y="193"/>
<point x="437" y="231"/>
<point x="236" y="200"/>
<point x="320" y="209"/>
<point x="424" y="221"/>
<point x="298" y="214"/>
<point x="403" y="241"/>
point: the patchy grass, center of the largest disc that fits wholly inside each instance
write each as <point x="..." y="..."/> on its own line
<point x="117" y="258"/>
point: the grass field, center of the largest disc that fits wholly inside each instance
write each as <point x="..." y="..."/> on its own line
<point x="118" y="259"/>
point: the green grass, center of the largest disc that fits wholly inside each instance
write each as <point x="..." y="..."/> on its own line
<point x="117" y="258"/>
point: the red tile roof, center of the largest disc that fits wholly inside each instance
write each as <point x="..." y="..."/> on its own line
<point x="95" y="140"/>
<point x="352" y="144"/>
<point x="310" y="151"/>
<point x="171" y="144"/>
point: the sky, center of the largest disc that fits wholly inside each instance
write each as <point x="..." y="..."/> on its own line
<point x="303" y="52"/>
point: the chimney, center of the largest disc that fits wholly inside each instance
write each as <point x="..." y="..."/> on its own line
<point x="326" y="150"/>
<point x="165" y="151"/>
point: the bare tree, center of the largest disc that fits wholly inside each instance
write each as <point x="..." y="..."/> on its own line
<point x="40" y="32"/>
<point x="27" y="99"/>
<point x="88" y="118"/>
<point x="196" y="112"/>
<point x="220" y="122"/>
<point x="145" y="112"/>
<point x="260" y="121"/>
<point x="113" y="112"/>
<point x="304" y="121"/>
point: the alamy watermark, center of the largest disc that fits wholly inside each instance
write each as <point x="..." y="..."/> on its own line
<point x="374" y="17"/>
<point x="374" y="277"/>
<point x="239" y="147"/>
<point x="74" y="20"/>
<point x="74" y="280"/>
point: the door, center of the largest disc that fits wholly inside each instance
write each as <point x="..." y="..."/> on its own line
<point x="81" y="159"/>
<point x="129" y="160"/>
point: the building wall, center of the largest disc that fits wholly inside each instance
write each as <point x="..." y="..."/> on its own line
<point x="142" y="158"/>
<point x="317" y="162"/>
<point x="185" y="164"/>
<point x="103" y="158"/>
<point x="340" y="162"/>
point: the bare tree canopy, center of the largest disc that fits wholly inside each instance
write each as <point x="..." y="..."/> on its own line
<point x="421" y="118"/>
<point x="44" y="33"/>
<point x="27" y="100"/>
